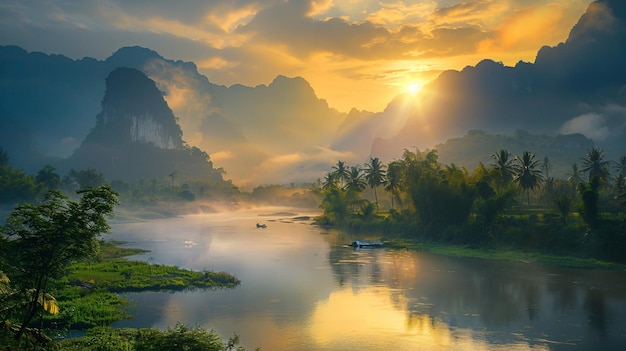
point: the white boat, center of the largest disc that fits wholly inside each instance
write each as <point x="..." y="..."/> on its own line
<point x="361" y="244"/>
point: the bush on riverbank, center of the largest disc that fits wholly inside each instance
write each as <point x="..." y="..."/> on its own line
<point x="180" y="337"/>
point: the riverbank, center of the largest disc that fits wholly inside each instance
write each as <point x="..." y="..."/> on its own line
<point x="503" y="254"/>
<point x="88" y="295"/>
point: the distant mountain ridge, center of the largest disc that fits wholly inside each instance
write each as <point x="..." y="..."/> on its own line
<point x="579" y="86"/>
<point x="477" y="146"/>
<point x="283" y="132"/>
<point x="248" y="126"/>
<point x="136" y="135"/>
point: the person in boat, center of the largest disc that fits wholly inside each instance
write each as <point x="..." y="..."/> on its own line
<point x="261" y="225"/>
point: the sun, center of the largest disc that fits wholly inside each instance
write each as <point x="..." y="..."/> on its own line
<point x="413" y="88"/>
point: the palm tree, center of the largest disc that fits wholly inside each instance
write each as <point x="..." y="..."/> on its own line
<point x="329" y="181"/>
<point x="355" y="184"/>
<point x="545" y="167"/>
<point x="340" y="171"/>
<point x="394" y="176"/>
<point x="172" y="176"/>
<point x="574" y="175"/>
<point x="48" y="177"/>
<point x="504" y="165"/>
<point x="595" y="164"/>
<point x="375" y="175"/>
<point x="527" y="173"/>
<point x="355" y="180"/>
<point x="620" y="166"/>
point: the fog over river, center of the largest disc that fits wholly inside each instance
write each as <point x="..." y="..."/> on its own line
<point x="302" y="288"/>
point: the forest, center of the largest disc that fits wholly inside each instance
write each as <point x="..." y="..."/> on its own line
<point x="512" y="203"/>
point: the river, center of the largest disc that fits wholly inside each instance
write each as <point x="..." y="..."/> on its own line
<point x="302" y="288"/>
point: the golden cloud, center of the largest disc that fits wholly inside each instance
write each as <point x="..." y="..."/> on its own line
<point x="227" y="18"/>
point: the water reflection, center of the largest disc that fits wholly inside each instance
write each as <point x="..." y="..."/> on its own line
<point x="303" y="289"/>
<point x="510" y="303"/>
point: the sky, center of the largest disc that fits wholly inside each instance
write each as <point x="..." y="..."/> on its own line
<point x="353" y="53"/>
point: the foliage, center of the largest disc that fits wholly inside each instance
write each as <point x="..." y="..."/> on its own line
<point x="595" y="165"/>
<point x="16" y="186"/>
<point x="88" y="310"/>
<point x="527" y="173"/>
<point x="375" y="175"/>
<point x="123" y="275"/>
<point x="444" y="204"/>
<point x="89" y="178"/>
<point x="180" y="337"/>
<point x="335" y="206"/>
<point x="503" y="164"/>
<point x="40" y="241"/>
<point x="48" y="178"/>
<point x="589" y="207"/>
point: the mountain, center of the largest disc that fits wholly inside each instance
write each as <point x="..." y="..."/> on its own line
<point x="283" y="132"/>
<point x="477" y="146"/>
<point x="579" y="86"/>
<point x="136" y="135"/>
<point x="47" y="104"/>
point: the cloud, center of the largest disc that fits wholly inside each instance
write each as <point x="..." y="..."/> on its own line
<point x="591" y="125"/>
<point x="398" y="14"/>
<point x="301" y="166"/>
<point x="252" y="41"/>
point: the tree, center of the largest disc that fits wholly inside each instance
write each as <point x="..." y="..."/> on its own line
<point x="574" y="175"/>
<point x="546" y="167"/>
<point x="89" y="178"/>
<point x="172" y="176"/>
<point x="354" y="185"/>
<point x="620" y="166"/>
<point x="375" y="175"/>
<point x="341" y="173"/>
<point x="503" y="163"/>
<point x="595" y="164"/>
<point x="48" y="177"/>
<point x="527" y="173"/>
<point x="16" y="186"/>
<point x="40" y="241"/>
<point x="394" y="177"/>
<point x="589" y="207"/>
<point x="334" y="205"/>
<point x="329" y="181"/>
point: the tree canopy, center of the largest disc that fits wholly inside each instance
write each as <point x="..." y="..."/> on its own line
<point x="39" y="241"/>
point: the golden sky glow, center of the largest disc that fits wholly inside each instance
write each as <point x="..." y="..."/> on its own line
<point x="354" y="53"/>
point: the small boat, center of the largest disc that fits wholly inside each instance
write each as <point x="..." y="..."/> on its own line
<point x="361" y="244"/>
<point x="261" y="225"/>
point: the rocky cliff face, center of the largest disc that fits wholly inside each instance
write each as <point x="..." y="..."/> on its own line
<point x="137" y="136"/>
<point x="134" y="111"/>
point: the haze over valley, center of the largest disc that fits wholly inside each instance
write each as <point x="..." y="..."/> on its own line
<point x="313" y="175"/>
<point x="285" y="132"/>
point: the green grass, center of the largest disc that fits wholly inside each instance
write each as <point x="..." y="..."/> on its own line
<point x="114" y="249"/>
<point x="87" y="295"/>
<point x="120" y="275"/>
<point x="504" y="254"/>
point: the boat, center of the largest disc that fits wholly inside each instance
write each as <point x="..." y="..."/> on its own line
<point x="261" y="225"/>
<point x="361" y="244"/>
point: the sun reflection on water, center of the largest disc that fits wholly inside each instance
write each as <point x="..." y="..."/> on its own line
<point x="350" y="315"/>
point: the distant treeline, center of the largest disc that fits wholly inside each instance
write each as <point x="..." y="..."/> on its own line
<point x="513" y="202"/>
